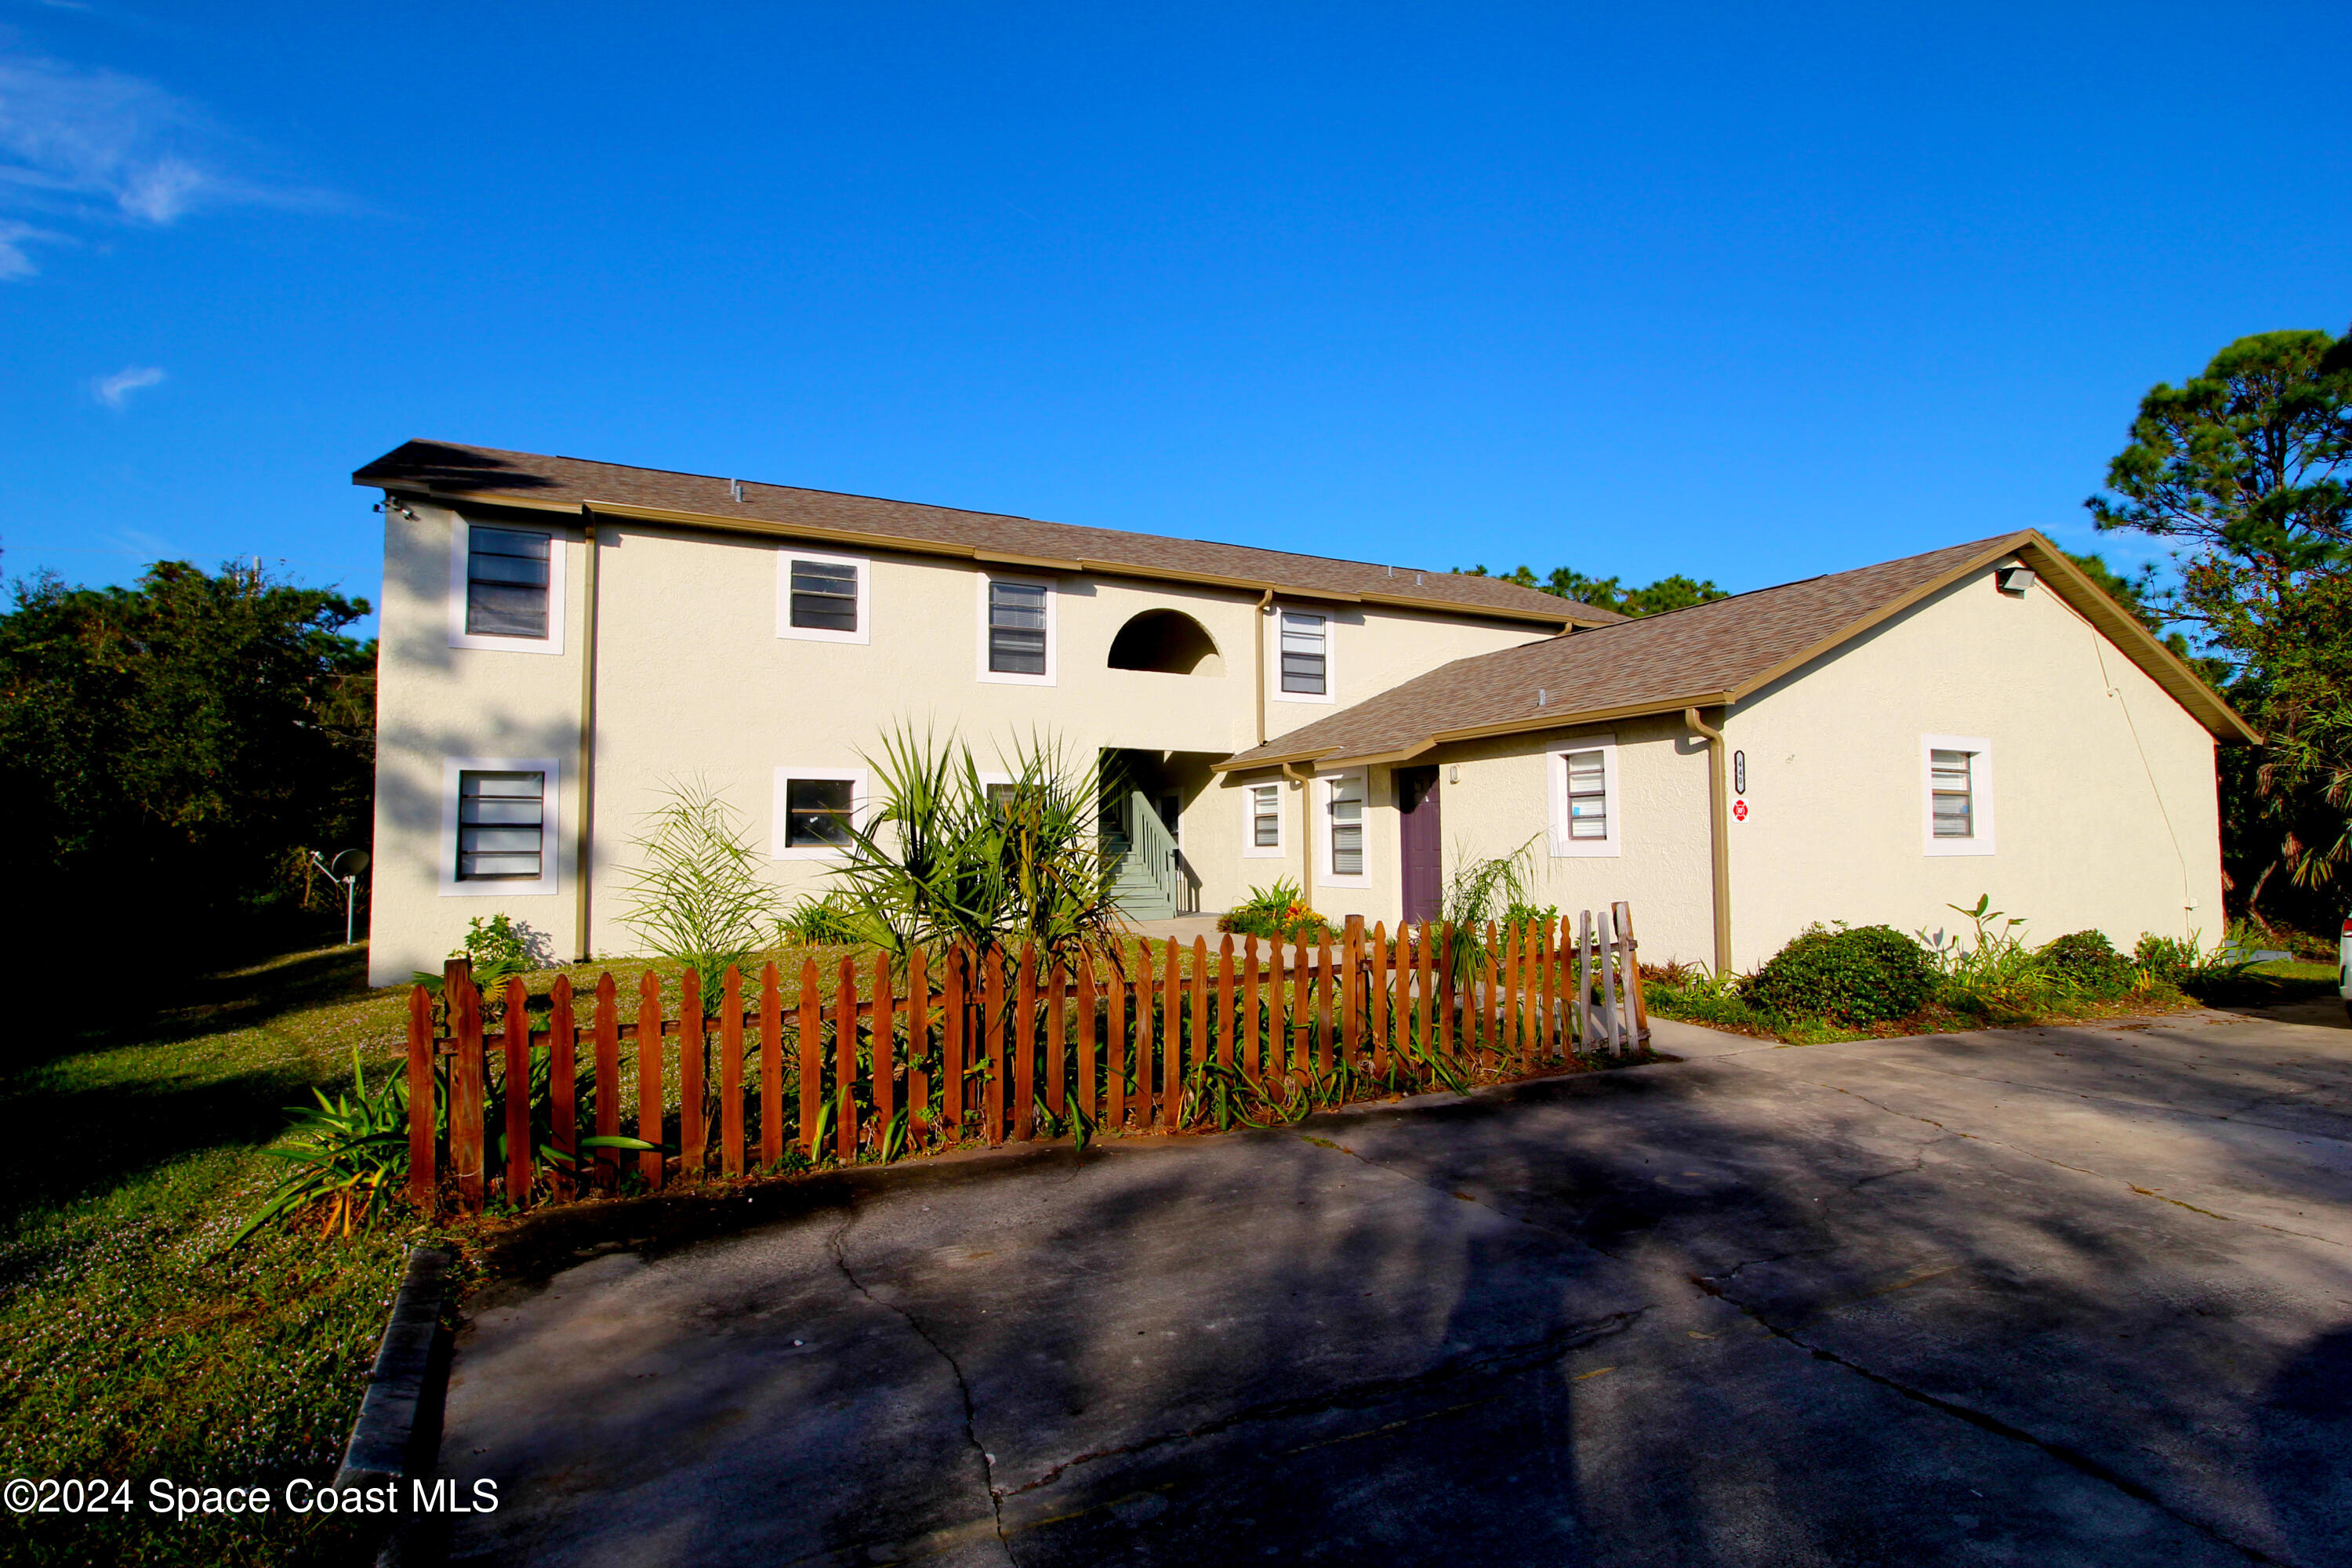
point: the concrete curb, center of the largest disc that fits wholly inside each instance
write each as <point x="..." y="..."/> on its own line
<point x="385" y="1439"/>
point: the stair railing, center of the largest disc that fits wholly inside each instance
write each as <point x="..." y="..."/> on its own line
<point x="1152" y="847"/>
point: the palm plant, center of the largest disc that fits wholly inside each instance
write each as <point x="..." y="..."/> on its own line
<point x="697" y="894"/>
<point x="950" y="857"/>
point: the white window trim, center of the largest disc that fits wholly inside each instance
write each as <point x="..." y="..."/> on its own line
<point x="784" y="628"/>
<point x="1564" y="847"/>
<point x="551" y="848"/>
<point x="1324" y="876"/>
<point x="1981" y="794"/>
<point x="1052" y="631"/>
<point x="861" y="811"/>
<point x="1330" y="656"/>
<point x="461" y="545"/>
<point x="1251" y="848"/>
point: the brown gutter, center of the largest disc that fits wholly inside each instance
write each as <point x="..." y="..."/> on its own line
<point x="1307" y="833"/>
<point x="1718" y="838"/>
<point x="872" y="541"/>
<point x="1264" y="608"/>
<point x="585" y="866"/>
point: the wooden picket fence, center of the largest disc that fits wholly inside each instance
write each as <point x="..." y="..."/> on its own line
<point x="973" y="1046"/>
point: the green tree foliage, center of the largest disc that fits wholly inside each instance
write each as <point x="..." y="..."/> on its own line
<point x="2246" y="469"/>
<point x="1675" y="593"/>
<point x="175" y="745"/>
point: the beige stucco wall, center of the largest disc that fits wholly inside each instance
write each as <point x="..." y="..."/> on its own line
<point x="2105" y="810"/>
<point x="692" y="681"/>
<point x="1492" y="801"/>
<point x="2104" y="805"/>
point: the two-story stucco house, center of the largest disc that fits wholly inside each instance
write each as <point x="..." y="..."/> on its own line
<point x="561" y="639"/>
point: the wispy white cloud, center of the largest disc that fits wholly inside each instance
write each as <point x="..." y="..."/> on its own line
<point x="82" y="147"/>
<point x="116" y="389"/>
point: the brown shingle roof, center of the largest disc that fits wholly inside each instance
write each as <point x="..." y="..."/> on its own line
<point x="1704" y="656"/>
<point x="567" y="484"/>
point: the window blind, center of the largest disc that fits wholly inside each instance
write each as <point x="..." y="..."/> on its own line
<point x="1303" y="661"/>
<point x="824" y="596"/>
<point x="501" y="823"/>
<point x="505" y="583"/>
<point x="1016" y="628"/>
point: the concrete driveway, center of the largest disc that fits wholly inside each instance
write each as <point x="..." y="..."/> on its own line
<point x="2064" y="1295"/>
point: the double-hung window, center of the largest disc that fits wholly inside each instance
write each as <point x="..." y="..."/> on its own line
<point x="506" y="589"/>
<point x="822" y="598"/>
<point x="1957" y="789"/>
<point x="1949" y="803"/>
<point x="1343" y="808"/>
<point x="1305" y="653"/>
<point x="1016" y="630"/>
<point x="498" y="826"/>
<point x="1264" y="821"/>
<point x="1585" y="805"/>
<point x="1588" y="796"/>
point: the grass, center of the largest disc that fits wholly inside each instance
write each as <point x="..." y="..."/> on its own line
<point x="133" y="1344"/>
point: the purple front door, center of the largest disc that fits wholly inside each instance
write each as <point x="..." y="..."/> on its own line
<point x="1421" y="843"/>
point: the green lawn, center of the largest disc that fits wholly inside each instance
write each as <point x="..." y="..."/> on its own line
<point x="131" y="1346"/>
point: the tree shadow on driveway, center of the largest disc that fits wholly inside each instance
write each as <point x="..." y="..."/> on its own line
<point x="1697" y="1313"/>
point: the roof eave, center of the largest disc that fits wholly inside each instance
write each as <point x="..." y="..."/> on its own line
<point x="1531" y="615"/>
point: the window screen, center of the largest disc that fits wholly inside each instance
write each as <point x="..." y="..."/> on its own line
<point x="501" y="825"/>
<point x="1951" y="794"/>
<point x="505" y="583"/>
<point x="1347" y="827"/>
<point x="1303" y="663"/>
<point x="824" y="596"/>
<point x="1266" y="816"/>
<point x="1587" y="796"/>
<point x="816" y="813"/>
<point x="1016" y="628"/>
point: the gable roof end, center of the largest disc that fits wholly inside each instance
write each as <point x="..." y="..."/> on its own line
<point x="1706" y="655"/>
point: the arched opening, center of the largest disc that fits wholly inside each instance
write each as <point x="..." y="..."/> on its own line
<point x="1168" y="641"/>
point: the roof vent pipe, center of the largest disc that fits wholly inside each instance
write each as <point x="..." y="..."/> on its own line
<point x="735" y="490"/>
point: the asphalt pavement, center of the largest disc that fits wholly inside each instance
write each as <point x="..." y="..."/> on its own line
<point x="2045" y="1297"/>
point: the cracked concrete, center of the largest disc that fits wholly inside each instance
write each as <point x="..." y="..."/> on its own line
<point x="2077" y="1295"/>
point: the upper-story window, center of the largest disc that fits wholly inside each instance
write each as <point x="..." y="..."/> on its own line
<point x="1957" y="794"/>
<point x="1303" y="662"/>
<point x="506" y="589"/>
<point x="1016" y="630"/>
<point x="822" y="598"/>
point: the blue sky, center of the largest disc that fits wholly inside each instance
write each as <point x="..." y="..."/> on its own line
<point x="1748" y="292"/>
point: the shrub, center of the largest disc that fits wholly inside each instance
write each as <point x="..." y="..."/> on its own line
<point x="1861" y="975"/>
<point x="827" y="921"/>
<point x="1275" y="911"/>
<point x="2088" y="961"/>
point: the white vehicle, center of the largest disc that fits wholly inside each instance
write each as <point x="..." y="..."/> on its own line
<point x="2343" y="965"/>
